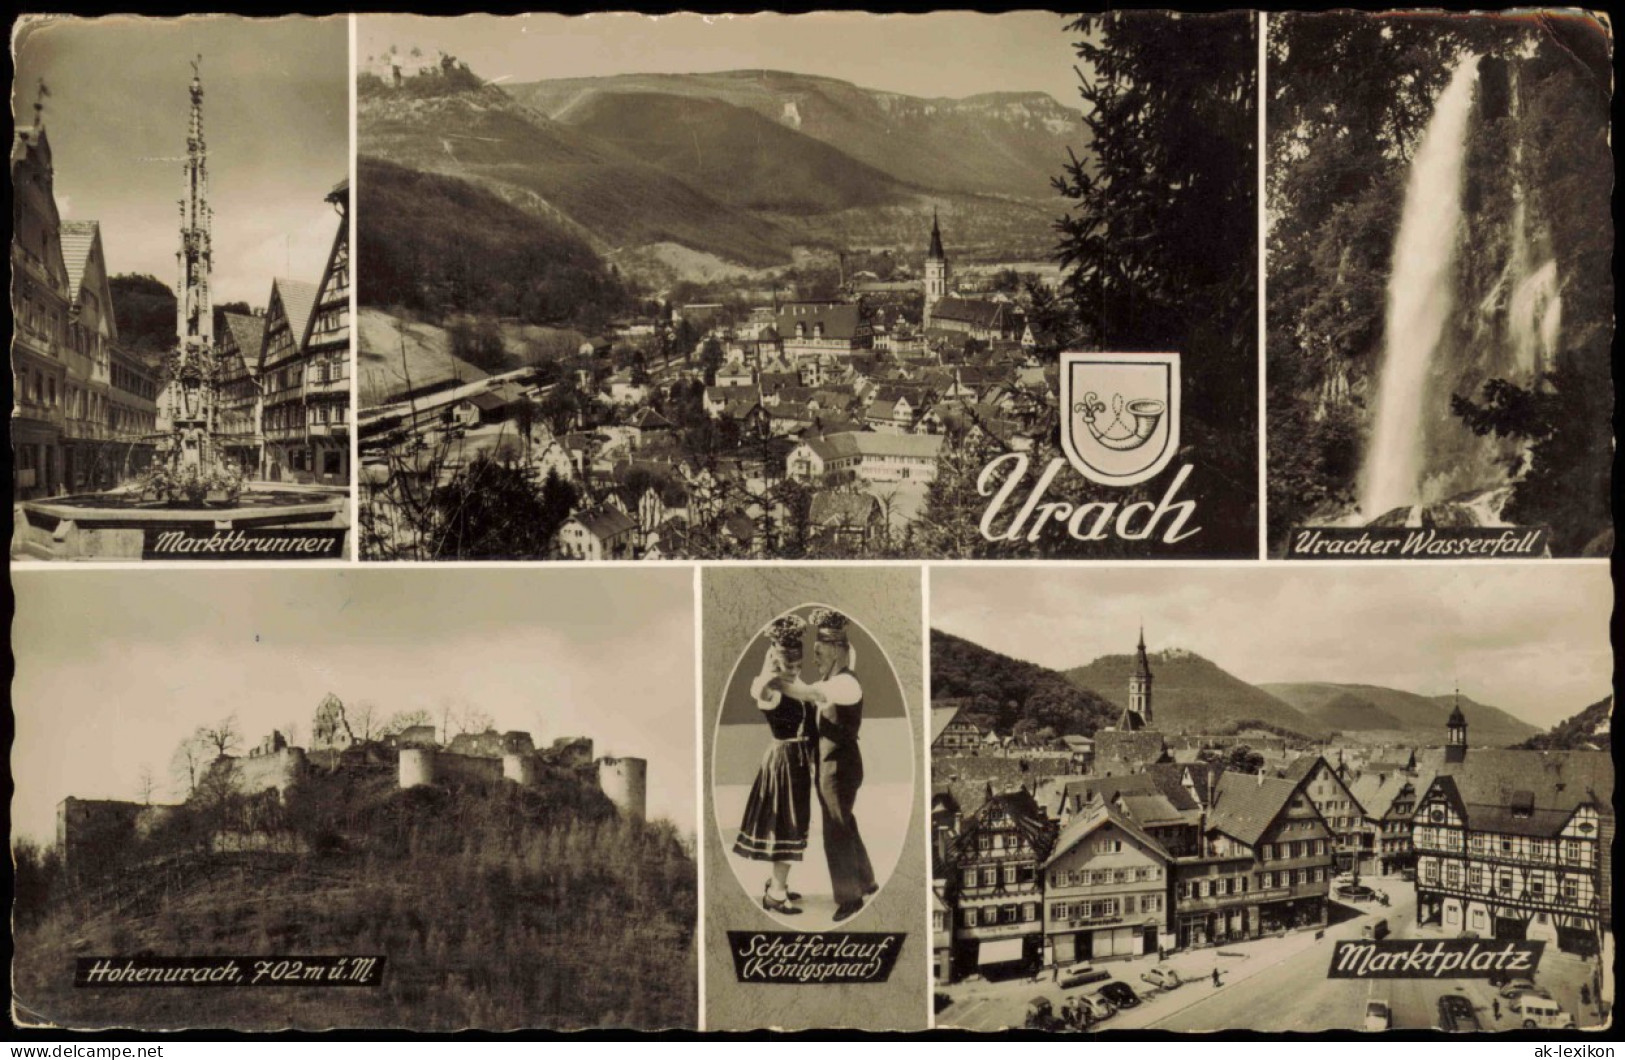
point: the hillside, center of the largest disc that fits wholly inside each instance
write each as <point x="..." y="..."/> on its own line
<point x="1192" y="694"/>
<point x="499" y="908"/>
<point x="741" y="158"/>
<point x="1408" y="712"/>
<point x="487" y="136"/>
<point x="1589" y="730"/>
<point x="1348" y="712"/>
<point x="1007" y="692"/>
<point x="441" y="245"/>
<point x="1007" y="143"/>
<point x="737" y="171"/>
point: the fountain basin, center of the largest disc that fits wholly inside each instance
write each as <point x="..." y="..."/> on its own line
<point x="121" y="525"/>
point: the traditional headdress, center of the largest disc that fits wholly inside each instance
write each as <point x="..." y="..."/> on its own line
<point x="830" y="625"/>
<point x="785" y="633"/>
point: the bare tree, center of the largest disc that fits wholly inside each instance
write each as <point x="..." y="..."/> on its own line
<point x="290" y="732"/>
<point x="185" y="763"/>
<point x="402" y="720"/>
<point x="146" y="784"/>
<point x="366" y="720"/>
<point x="224" y="738"/>
<point x="457" y="718"/>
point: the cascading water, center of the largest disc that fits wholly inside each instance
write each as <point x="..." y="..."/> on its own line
<point x="1421" y="299"/>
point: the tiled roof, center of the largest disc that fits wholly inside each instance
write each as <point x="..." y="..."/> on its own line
<point x="298" y="302"/>
<point x="1375" y="790"/>
<point x="77" y="239"/>
<point x="1169" y="778"/>
<point x="606" y="522"/>
<point x="1247" y="803"/>
<point x="974" y="311"/>
<point x="247" y="333"/>
<point x="648" y="419"/>
<point x="1028" y="817"/>
<point x="842" y="509"/>
<point x="1557" y="782"/>
<point x="840" y="320"/>
<point x="1097" y="818"/>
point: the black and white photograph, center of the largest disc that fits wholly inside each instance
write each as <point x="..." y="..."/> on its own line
<point x="815" y="881"/>
<point x="481" y="782"/>
<point x="1209" y="798"/>
<point x="1440" y="292"/>
<point x="807" y="286"/>
<point x="181" y="377"/>
<point x="812" y="718"/>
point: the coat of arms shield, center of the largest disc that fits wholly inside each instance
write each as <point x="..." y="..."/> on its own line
<point x="1120" y="424"/>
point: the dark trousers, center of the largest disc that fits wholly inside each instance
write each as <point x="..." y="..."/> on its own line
<point x="840" y="775"/>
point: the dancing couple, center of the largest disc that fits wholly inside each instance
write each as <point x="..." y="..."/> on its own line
<point x="815" y="747"/>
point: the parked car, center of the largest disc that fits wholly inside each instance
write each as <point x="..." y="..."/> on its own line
<point x="1357" y="892"/>
<point x="1456" y="1015"/>
<point x="1082" y="975"/>
<point x="1536" y="1012"/>
<point x="1041" y="1015"/>
<point x="1514" y="987"/>
<point x="1377" y="929"/>
<point x="1100" y="1007"/>
<point x="1075" y="1015"/>
<point x="1120" y="994"/>
<point x="1408" y="875"/>
<point x="1163" y="977"/>
<point x="1378" y="1017"/>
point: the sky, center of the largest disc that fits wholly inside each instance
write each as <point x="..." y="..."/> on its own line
<point x="275" y="118"/>
<point x="944" y="54"/>
<point x="115" y="668"/>
<point x="1531" y="639"/>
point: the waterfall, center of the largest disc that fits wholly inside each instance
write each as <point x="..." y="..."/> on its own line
<point x="1421" y="298"/>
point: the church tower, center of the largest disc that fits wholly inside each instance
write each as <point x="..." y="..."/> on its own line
<point x="1138" y="714"/>
<point x="1455" y="748"/>
<point x="936" y="270"/>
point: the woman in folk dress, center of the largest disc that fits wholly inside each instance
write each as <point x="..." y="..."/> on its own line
<point x="779" y="810"/>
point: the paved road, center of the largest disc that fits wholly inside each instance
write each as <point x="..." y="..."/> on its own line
<point x="1295" y="995"/>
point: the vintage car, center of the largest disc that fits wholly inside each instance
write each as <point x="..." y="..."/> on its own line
<point x="1162" y="977"/>
<point x="1120" y="994"/>
<point x="1378" y="1016"/>
<point x="1456" y="1015"/>
<point x="1082" y="975"/>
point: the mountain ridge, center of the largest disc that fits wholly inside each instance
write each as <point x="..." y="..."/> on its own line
<point x="1415" y="712"/>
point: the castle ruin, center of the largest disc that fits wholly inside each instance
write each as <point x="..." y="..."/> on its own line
<point x="415" y="754"/>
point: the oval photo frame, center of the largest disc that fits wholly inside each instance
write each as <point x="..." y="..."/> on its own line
<point x="766" y="813"/>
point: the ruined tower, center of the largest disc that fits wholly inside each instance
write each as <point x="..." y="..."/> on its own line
<point x="625" y="782"/>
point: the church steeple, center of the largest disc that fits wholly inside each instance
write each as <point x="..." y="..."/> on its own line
<point x="936" y="271"/>
<point x="1138" y="714"/>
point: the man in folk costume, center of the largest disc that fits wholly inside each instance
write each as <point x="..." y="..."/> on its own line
<point x="837" y="698"/>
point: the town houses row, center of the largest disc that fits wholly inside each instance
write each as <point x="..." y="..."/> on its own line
<point x="1139" y="852"/>
<point x="86" y="408"/>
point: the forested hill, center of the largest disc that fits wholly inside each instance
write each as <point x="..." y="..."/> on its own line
<point x="497" y="908"/>
<point x="442" y="245"/>
<point x="1589" y="730"/>
<point x="1012" y="695"/>
<point x="1193" y="694"/>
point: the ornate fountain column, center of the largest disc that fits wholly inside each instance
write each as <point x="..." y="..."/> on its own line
<point x="189" y="457"/>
